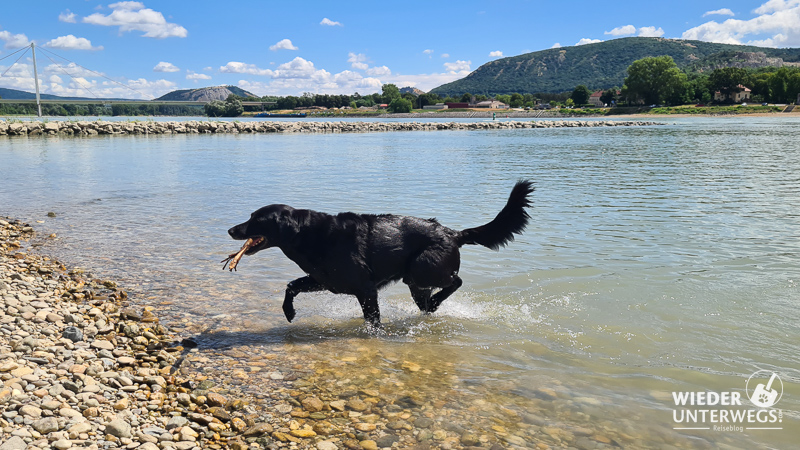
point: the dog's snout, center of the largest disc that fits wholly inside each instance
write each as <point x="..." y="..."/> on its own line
<point x="236" y="232"/>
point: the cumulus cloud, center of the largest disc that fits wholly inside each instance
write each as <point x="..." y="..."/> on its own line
<point x="556" y="45"/>
<point x="651" y="32"/>
<point x="378" y="71"/>
<point x="357" y="61"/>
<point x="496" y="54"/>
<point x="70" y="42"/>
<point x="133" y="16"/>
<point x="628" y="30"/>
<point x="240" y="67"/>
<point x="330" y="23"/>
<point x="196" y="76"/>
<point x="445" y="55"/>
<point x="719" y="12"/>
<point x="67" y="16"/>
<point x="625" y="30"/>
<point x="458" y="66"/>
<point x="165" y="67"/>
<point x="585" y="41"/>
<point x="283" y="44"/>
<point x="428" y="51"/>
<point x="14" y="41"/>
<point x="777" y="23"/>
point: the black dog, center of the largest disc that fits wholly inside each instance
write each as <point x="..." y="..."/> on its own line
<point x="358" y="254"/>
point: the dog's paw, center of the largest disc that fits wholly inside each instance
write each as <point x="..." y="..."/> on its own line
<point x="290" y="313"/>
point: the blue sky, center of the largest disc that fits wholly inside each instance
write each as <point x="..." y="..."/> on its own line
<point x="288" y="47"/>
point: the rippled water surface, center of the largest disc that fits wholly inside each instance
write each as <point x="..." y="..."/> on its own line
<point x="659" y="259"/>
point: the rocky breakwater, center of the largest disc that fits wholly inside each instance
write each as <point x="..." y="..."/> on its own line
<point x="81" y="368"/>
<point x="86" y="128"/>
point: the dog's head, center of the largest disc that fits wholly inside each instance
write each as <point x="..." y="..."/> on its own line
<point x="263" y="227"/>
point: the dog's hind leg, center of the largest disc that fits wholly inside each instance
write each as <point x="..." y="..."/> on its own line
<point x="300" y="285"/>
<point x="439" y="297"/>
<point x="421" y="296"/>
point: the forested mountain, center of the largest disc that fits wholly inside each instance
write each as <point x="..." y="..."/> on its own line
<point x="603" y="65"/>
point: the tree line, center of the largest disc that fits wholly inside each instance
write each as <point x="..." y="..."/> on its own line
<point x="658" y="80"/>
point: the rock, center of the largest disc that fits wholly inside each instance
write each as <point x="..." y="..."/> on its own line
<point x="338" y="405"/>
<point x="62" y="444"/>
<point x="46" y="425"/>
<point x="14" y="443"/>
<point x="322" y="445"/>
<point x="312" y="404"/>
<point x="258" y="430"/>
<point x="423" y="422"/>
<point x="119" y="428"/>
<point x="369" y="445"/>
<point x="357" y="404"/>
<point x="73" y="334"/>
<point x="387" y="440"/>
<point x="148" y="446"/>
<point x="102" y="344"/>
<point x="214" y="399"/>
<point x="303" y="433"/>
<point x="30" y="411"/>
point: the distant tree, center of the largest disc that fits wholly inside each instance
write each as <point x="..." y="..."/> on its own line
<point x="608" y="96"/>
<point x="390" y="92"/>
<point x="516" y="100"/>
<point x="581" y="95"/>
<point x="466" y="98"/>
<point x="400" y="105"/>
<point x="654" y="79"/>
<point x="569" y="103"/>
<point x="727" y="80"/>
<point x="428" y="99"/>
<point x="231" y="107"/>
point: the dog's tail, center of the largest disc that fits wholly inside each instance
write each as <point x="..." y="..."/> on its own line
<point x="511" y="220"/>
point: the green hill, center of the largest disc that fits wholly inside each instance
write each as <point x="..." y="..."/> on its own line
<point x="205" y="94"/>
<point x="604" y="64"/>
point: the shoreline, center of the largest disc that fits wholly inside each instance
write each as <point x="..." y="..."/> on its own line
<point x="87" y="128"/>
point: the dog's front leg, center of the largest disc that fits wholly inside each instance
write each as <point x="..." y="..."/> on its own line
<point x="300" y="285"/>
<point x="369" y="306"/>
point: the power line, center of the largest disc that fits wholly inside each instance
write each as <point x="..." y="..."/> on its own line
<point x="20" y="57"/>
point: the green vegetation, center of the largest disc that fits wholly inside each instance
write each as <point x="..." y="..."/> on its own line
<point x="231" y="107"/>
<point x="604" y="65"/>
<point x="654" y="80"/>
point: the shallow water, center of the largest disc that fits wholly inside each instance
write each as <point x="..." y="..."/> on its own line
<point x="659" y="259"/>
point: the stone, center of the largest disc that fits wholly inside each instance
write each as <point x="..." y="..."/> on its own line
<point x="62" y="444"/>
<point x="369" y="444"/>
<point x="387" y="440"/>
<point x="214" y="399"/>
<point x="322" y="445"/>
<point x="303" y="433"/>
<point x="14" y="443"/>
<point x="46" y="425"/>
<point x="258" y="430"/>
<point x="176" y="422"/>
<point x="119" y="428"/>
<point x="312" y="404"/>
<point x="148" y="446"/>
<point x="102" y="344"/>
<point x="30" y="411"/>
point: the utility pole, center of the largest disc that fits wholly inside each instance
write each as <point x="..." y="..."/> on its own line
<point x="36" y="79"/>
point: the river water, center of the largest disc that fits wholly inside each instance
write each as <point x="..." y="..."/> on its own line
<point x="659" y="259"/>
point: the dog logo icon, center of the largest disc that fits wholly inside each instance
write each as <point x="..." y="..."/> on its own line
<point x="765" y="396"/>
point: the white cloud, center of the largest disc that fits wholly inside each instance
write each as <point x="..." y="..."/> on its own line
<point x="283" y="44"/>
<point x="777" y="24"/>
<point x="624" y="30"/>
<point x="445" y="55"/>
<point x="196" y="76"/>
<point x="496" y="54"/>
<point x="330" y="23"/>
<point x="651" y="32"/>
<point x="165" y="67"/>
<point x="133" y="16"/>
<point x="381" y="71"/>
<point x="719" y="12"/>
<point x="357" y="61"/>
<point x="70" y="42"/>
<point x="585" y="41"/>
<point x="14" y="41"/>
<point x="67" y="16"/>
<point x="627" y="30"/>
<point x="458" y="66"/>
<point x="427" y="51"/>
<point x="556" y="45"/>
<point x="240" y="67"/>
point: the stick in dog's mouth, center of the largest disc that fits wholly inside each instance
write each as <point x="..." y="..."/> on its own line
<point x="234" y="258"/>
